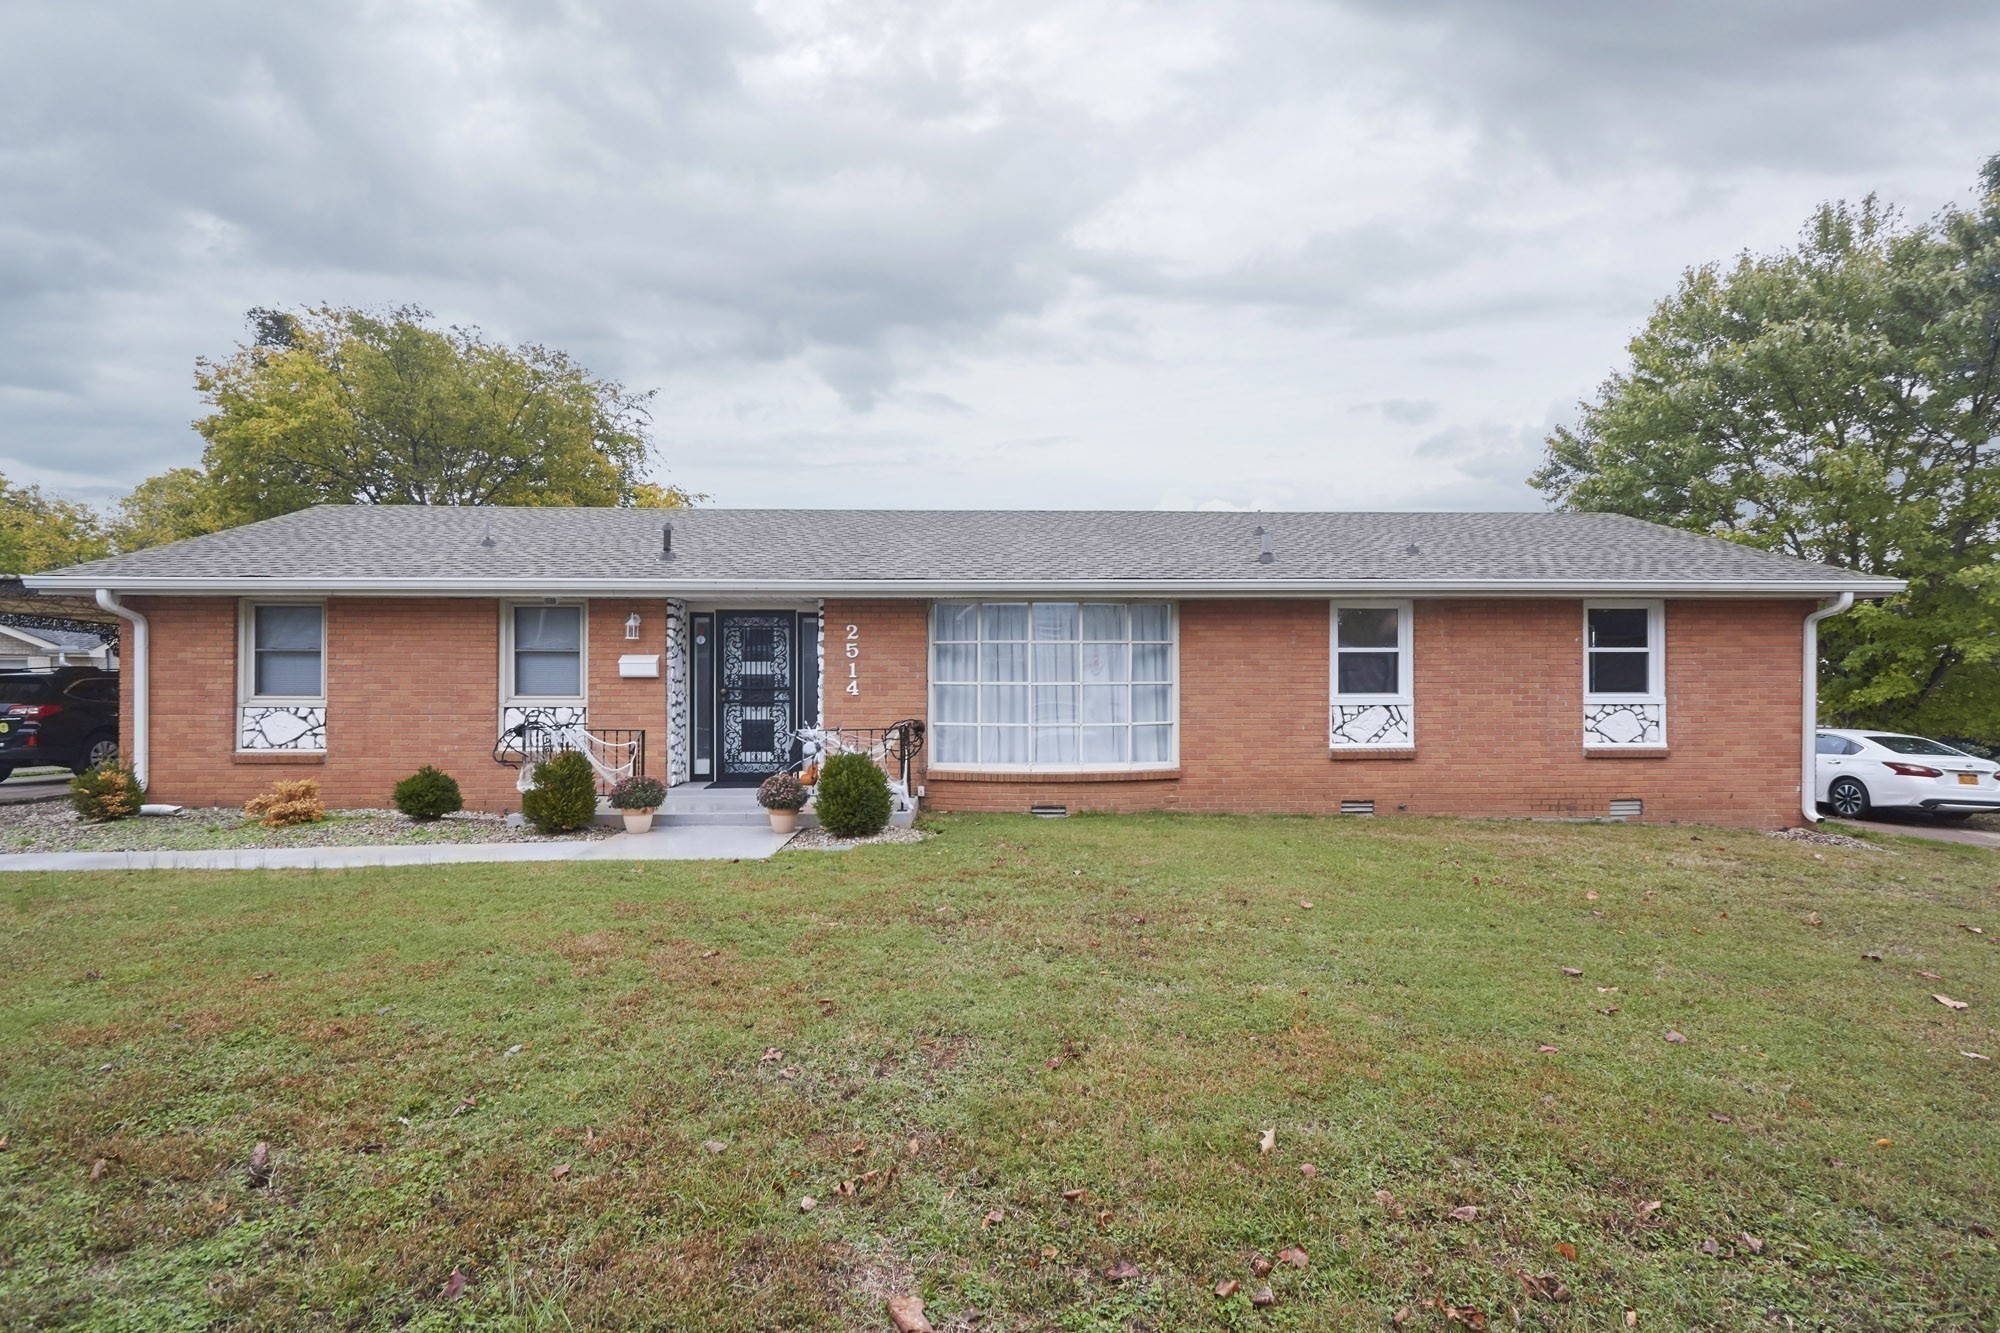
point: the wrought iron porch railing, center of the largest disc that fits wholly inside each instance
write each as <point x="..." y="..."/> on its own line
<point x="615" y="753"/>
<point x="891" y="747"/>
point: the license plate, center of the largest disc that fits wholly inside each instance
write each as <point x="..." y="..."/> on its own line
<point x="1968" y="779"/>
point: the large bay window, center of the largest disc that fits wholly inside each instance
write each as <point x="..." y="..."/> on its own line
<point x="1077" y="685"/>
<point x="1372" y="667"/>
<point x="1624" y="674"/>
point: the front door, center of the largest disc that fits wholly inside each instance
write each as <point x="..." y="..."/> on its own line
<point x="753" y="694"/>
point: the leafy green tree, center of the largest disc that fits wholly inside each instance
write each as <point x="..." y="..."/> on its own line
<point x="40" y="531"/>
<point x="179" y="503"/>
<point x="1836" y="401"/>
<point x="345" y="406"/>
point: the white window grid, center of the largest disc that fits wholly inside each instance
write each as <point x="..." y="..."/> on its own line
<point x="1054" y="686"/>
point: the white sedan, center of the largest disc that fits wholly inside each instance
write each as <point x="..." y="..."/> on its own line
<point x="1861" y="770"/>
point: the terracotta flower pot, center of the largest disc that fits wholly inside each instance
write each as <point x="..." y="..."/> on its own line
<point x="783" y="821"/>
<point x="638" y="821"/>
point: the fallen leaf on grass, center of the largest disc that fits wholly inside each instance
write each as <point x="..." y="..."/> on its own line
<point x="1711" y="1247"/>
<point x="1812" y="919"/>
<point x="1104" y="1218"/>
<point x="1073" y="1196"/>
<point x="1648" y="1207"/>
<point x="1388" y="1203"/>
<point x="1872" y="957"/>
<point x="260" y="1165"/>
<point x="1631" y="1319"/>
<point x="1752" y="1243"/>
<point x="992" y="1219"/>
<point x="1572" y="971"/>
<point x="1263" y="1296"/>
<point x="1227" y="1288"/>
<point x="454" y="1286"/>
<point x="1950" y="1003"/>
<point x="1970" y="1055"/>
<point x="1977" y="930"/>
<point x="1308" y="1170"/>
<point x="771" y="1055"/>
<point x="1677" y="1038"/>
<point x="715" y="1146"/>
<point x="1721" y="1119"/>
<point x="1052" y="1062"/>
<point x="1930" y="976"/>
<point x="915" y="1147"/>
<point x="1885" y="1143"/>
<point x="1545" y="1287"/>
<point x="1546" y="1049"/>
<point x="1590" y="896"/>
<point x="907" y="1314"/>
<point x="1294" y="1255"/>
<point x="467" y="1104"/>
<point x="1470" y="1316"/>
<point x="1259" y="1265"/>
<point x="1267" y="1140"/>
<point x="710" y="953"/>
<point x="808" y="1203"/>
<point x="1122" y="1271"/>
<point x="1464" y="1213"/>
<point x="1406" y="1314"/>
<point x="1306" y="905"/>
<point x="559" y="1172"/>
<point x="1566" y="1250"/>
<point x="99" y="1167"/>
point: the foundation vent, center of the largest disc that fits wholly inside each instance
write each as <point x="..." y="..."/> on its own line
<point x="1049" y="811"/>
<point x="1630" y="808"/>
<point x="1357" y="807"/>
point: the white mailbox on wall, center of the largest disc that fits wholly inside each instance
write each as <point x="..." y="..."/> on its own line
<point x="639" y="665"/>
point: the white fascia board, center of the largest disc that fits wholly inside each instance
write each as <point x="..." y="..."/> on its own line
<point x="1170" y="589"/>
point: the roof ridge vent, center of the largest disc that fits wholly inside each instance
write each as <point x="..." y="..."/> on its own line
<point x="487" y="540"/>
<point x="1264" y="554"/>
<point x="667" y="540"/>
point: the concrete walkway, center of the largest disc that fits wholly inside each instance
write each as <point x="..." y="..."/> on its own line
<point x="1922" y="826"/>
<point x="706" y="842"/>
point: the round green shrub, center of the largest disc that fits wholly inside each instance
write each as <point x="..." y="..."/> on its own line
<point x="852" y="799"/>
<point x="564" y="797"/>
<point x="106" y="792"/>
<point x="429" y="793"/>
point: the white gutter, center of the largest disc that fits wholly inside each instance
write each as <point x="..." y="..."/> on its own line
<point x="1809" y="772"/>
<point x="142" y="675"/>
<point x="1163" y="588"/>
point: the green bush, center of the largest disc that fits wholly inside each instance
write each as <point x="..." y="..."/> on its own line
<point x="429" y="793"/>
<point x="564" y="797"/>
<point x="106" y="792"/>
<point x="852" y="799"/>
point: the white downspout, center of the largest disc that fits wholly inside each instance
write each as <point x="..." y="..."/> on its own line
<point x="142" y="692"/>
<point x="1809" y="772"/>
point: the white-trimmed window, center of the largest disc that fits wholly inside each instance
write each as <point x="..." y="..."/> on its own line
<point x="1372" y="670"/>
<point x="1624" y="673"/>
<point x="1052" y="685"/>
<point x="542" y="652"/>
<point x="283" y="652"/>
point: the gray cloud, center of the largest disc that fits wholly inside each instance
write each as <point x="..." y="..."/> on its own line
<point x="887" y="253"/>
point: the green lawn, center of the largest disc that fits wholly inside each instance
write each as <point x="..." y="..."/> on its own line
<point x="970" y="1026"/>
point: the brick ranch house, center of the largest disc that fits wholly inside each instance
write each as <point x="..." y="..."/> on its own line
<point x="1537" y="664"/>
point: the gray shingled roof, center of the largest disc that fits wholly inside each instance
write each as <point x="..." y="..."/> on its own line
<point x="431" y="546"/>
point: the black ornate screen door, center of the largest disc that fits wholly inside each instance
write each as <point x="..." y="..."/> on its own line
<point x="753" y="693"/>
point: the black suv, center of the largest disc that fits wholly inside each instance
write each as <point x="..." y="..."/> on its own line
<point x="63" y="718"/>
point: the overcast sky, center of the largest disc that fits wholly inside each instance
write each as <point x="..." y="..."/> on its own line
<point x="1227" y="253"/>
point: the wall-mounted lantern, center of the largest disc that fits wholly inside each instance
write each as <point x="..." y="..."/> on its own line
<point x="632" y="626"/>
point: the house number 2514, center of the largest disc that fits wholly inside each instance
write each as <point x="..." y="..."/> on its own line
<point x="853" y="652"/>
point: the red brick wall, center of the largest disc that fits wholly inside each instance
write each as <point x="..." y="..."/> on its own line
<point x="1499" y="703"/>
<point x="409" y="682"/>
<point x="1499" y="715"/>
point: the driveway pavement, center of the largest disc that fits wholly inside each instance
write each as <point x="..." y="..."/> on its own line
<point x="25" y="787"/>
<point x="1921" y="826"/>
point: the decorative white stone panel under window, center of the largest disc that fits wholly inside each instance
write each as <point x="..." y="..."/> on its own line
<point x="281" y="727"/>
<point x="1373" y="691"/>
<point x="1624" y="685"/>
<point x="1052" y="684"/>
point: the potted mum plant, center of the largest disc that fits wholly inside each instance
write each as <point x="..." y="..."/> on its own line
<point x="638" y="798"/>
<point x="782" y="797"/>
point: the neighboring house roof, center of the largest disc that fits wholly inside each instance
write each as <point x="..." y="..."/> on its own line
<point x="409" y="548"/>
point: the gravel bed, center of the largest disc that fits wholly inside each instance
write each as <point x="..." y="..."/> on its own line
<point x="53" y="827"/>
<point x="819" y="840"/>
<point x="1820" y="839"/>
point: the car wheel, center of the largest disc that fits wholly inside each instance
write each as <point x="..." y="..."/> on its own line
<point x="1848" y="798"/>
<point x="101" y="750"/>
<point x="6" y="773"/>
